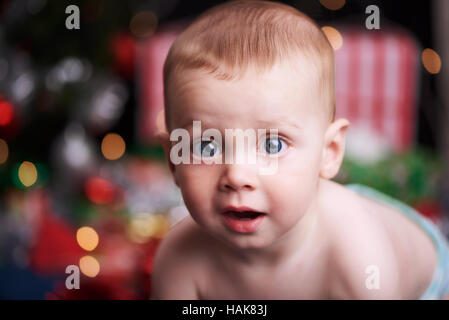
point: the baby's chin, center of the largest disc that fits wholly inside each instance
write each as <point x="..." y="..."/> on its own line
<point x="243" y="241"/>
<point x="251" y="244"/>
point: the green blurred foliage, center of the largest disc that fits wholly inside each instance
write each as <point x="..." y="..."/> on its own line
<point x="411" y="177"/>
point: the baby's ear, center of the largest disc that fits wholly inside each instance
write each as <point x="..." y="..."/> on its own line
<point x="164" y="139"/>
<point x="334" y="148"/>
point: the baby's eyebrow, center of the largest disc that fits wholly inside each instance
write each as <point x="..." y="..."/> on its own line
<point x="189" y="125"/>
<point x="280" y="123"/>
<point x="276" y="124"/>
<point x="204" y="125"/>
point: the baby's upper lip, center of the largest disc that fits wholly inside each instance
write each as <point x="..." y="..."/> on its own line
<point x="239" y="209"/>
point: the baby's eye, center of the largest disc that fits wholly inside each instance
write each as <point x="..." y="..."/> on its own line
<point x="272" y="145"/>
<point x="206" y="149"/>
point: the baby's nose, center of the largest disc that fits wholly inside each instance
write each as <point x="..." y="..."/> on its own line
<point x="237" y="177"/>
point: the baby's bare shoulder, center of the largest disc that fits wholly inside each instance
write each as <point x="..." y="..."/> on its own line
<point x="363" y="260"/>
<point x="182" y="236"/>
<point x="364" y="266"/>
<point x="178" y="259"/>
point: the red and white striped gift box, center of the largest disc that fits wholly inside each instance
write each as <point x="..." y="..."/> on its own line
<point x="151" y="56"/>
<point x="376" y="83"/>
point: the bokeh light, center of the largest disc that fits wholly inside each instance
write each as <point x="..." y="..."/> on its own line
<point x="333" y="4"/>
<point x="334" y="37"/>
<point x="99" y="190"/>
<point x="431" y="61"/>
<point x="113" y="146"/>
<point x="76" y="150"/>
<point x="87" y="238"/>
<point x="27" y="173"/>
<point x="143" y="227"/>
<point x="6" y="113"/>
<point x="89" y="266"/>
<point x="143" y="24"/>
<point x="4" y="151"/>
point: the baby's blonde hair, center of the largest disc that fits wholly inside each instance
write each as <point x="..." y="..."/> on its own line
<point x="226" y="39"/>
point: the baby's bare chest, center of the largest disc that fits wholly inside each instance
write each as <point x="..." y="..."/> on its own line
<point x="298" y="282"/>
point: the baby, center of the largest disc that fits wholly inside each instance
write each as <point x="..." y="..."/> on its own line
<point x="292" y="233"/>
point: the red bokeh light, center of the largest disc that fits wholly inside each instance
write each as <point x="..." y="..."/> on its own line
<point x="99" y="190"/>
<point x="123" y="48"/>
<point x="6" y="112"/>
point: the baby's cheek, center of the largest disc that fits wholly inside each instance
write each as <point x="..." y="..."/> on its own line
<point x="292" y="194"/>
<point x="196" y="189"/>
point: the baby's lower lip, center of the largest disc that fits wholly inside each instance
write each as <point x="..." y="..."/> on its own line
<point x="243" y="222"/>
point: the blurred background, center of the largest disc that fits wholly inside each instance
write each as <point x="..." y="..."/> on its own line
<point x="82" y="179"/>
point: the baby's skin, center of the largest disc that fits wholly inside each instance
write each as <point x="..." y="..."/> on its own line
<point x="313" y="238"/>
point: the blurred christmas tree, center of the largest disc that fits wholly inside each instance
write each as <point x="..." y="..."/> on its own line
<point x="68" y="153"/>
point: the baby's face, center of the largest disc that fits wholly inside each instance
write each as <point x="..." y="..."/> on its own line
<point x="278" y="99"/>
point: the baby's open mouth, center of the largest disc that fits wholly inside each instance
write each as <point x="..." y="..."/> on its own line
<point x="243" y="220"/>
<point x="243" y="215"/>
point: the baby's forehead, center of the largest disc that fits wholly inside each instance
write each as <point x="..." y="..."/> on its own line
<point x="278" y="80"/>
<point x="255" y="101"/>
<point x="300" y="67"/>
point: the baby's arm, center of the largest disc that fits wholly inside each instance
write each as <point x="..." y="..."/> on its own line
<point x="172" y="277"/>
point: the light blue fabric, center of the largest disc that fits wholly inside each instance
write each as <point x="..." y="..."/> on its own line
<point x="439" y="287"/>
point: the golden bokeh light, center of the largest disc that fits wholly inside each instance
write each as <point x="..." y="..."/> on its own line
<point x="113" y="146"/>
<point x="431" y="61"/>
<point x="333" y="4"/>
<point x="143" y="24"/>
<point x="89" y="266"/>
<point x="27" y="173"/>
<point x="87" y="238"/>
<point x="142" y="228"/>
<point x="334" y="37"/>
<point x="4" y="151"/>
